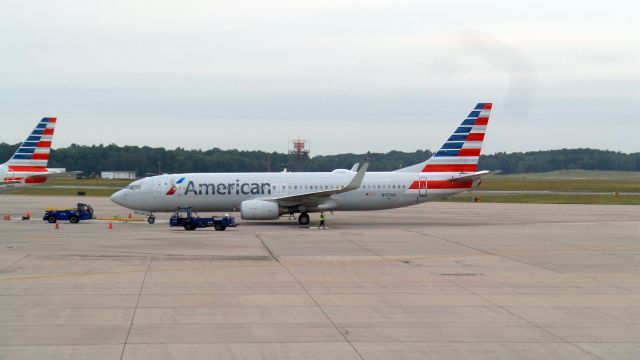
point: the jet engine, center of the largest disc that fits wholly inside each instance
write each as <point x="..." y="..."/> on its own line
<point x="259" y="210"/>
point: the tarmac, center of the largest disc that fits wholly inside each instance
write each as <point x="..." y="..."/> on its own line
<point x="435" y="281"/>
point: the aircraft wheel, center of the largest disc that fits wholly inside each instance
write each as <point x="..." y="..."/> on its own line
<point x="52" y="219"/>
<point x="151" y="219"/>
<point x="74" y="219"/>
<point x="303" y="219"/>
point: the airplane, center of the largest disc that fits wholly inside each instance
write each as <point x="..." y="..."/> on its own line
<point x="28" y="166"/>
<point x="267" y="196"/>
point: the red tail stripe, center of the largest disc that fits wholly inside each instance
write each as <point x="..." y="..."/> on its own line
<point x="441" y="184"/>
<point x="482" y="121"/>
<point x="475" y="137"/>
<point x="17" y="168"/>
<point x="35" y="179"/>
<point x="469" y="152"/>
<point x="44" y="144"/>
<point x="40" y="157"/>
<point x="52" y="120"/>
<point x="451" y="167"/>
<point x="487" y="106"/>
<point x="48" y="132"/>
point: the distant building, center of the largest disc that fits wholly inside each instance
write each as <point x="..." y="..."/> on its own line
<point x="121" y="175"/>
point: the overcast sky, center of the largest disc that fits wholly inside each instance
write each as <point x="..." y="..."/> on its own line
<point x="350" y="75"/>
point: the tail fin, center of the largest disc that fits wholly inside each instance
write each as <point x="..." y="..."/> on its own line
<point x="462" y="150"/>
<point x="33" y="154"/>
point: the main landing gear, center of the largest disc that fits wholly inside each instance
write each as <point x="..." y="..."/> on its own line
<point x="151" y="219"/>
<point x="303" y="219"/>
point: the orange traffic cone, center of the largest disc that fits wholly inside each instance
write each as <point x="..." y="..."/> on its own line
<point x="57" y="226"/>
<point x="110" y="226"/>
<point x="130" y="216"/>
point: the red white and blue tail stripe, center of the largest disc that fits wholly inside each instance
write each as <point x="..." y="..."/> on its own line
<point x="461" y="152"/>
<point x="33" y="155"/>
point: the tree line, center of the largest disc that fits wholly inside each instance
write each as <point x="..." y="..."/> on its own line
<point x="91" y="160"/>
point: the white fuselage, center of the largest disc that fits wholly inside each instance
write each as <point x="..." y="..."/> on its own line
<point x="226" y="191"/>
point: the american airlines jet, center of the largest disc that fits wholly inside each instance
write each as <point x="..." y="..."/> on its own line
<point x="267" y="196"/>
<point x="28" y="166"/>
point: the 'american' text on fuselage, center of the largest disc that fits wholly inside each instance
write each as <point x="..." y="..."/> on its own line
<point x="236" y="188"/>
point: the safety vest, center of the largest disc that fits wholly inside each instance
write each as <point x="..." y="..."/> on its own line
<point x="321" y="217"/>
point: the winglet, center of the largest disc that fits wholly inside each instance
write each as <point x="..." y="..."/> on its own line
<point x="355" y="167"/>
<point x="357" y="179"/>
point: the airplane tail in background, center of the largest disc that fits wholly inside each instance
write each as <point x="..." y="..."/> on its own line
<point x="33" y="154"/>
<point x="462" y="150"/>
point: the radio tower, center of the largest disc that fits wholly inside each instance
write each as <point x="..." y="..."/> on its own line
<point x="299" y="152"/>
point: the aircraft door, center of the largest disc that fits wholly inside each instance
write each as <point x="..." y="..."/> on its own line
<point x="422" y="187"/>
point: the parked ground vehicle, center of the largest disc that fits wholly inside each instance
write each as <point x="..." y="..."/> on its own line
<point x="81" y="212"/>
<point x="184" y="217"/>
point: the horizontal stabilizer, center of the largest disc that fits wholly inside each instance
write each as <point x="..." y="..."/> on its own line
<point x="473" y="176"/>
<point x="9" y="182"/>
<point x="50" y="176"/>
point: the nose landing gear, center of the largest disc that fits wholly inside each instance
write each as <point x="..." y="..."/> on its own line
<point x="151" y="219"/>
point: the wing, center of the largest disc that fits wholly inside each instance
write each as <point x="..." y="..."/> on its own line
<point x="318" y="197"/>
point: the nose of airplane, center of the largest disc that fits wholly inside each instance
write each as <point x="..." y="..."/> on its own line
<point x="120" y="197"/>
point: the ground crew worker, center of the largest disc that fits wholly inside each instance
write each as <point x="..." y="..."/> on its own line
<point x="322" y="219"/>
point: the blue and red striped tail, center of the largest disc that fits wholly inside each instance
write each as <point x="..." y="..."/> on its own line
<point x="462" y="150"/>
<point x="33" y="154"/>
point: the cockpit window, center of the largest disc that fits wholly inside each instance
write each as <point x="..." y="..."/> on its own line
<point x="134" y="187"/>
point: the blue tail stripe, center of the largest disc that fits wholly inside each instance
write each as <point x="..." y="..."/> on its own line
<point x="452" y="145"/>
<point x="457" y="138"/>
<point x="22" y="157"/>
<point x="463" y="130"/>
